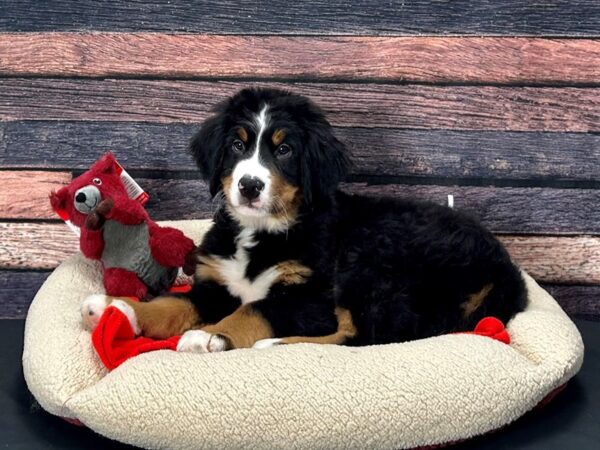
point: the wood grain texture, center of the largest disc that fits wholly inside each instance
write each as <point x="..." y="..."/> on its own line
<point x="551" y="17"/>
<point x="507" y="210"/>
<point x="17" y="290"/>
<point x="573" y="260"/>
<point x="532" y="156"/>
<point x="577" y="300"/>
<point x="347" y="105"/>
<point x="412" y="59"/>
<point x="24" y="194"/>
<point x="503" y="210"/>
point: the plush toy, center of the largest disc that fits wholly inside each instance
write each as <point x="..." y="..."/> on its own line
<point x="139" y="257"/>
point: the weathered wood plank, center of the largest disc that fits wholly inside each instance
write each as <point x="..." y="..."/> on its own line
<point x="552" y="17"/>
<point x="557" y="259"/>
<point x="17" y="289"/>
<point x="507" y="210"/>
<point x="503" y="210"/>
<point x="574" y="260"/>
<point x="577" y="300"/>
<point x="547" y="157"/>
<point x="24" y="194"/>
<point x="412" y="59"/>
<point x="347" y="105"/>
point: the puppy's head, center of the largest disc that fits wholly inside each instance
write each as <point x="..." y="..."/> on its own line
<point x="270" y="152"/>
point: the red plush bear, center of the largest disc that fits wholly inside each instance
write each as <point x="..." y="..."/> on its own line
<point x="139" y="257"/>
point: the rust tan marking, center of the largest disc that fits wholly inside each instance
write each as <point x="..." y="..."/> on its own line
<point x="243" y="134"/>
<point x="286" y="199"/>
<point x="292" y="272"/>
<point x="475" y="300"/>
<point x="346" y="330"/>
<point x="226" y="181"/>
<point x="242" y="328"/>
<point x="278" y="136"/>
<point x="209" y="269"/>
<point x="164" y="317"/>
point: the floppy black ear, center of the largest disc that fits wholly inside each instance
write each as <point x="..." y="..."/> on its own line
<point x="325" y="163"/>
<point x="207" y="149"/>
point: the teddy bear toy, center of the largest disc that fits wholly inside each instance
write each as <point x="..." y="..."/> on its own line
<point x="139" y="257"/>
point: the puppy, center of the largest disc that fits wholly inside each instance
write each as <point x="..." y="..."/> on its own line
<point x="292" y="259"/>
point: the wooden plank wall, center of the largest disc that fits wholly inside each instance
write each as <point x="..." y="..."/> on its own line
<point x="496" y="102"/>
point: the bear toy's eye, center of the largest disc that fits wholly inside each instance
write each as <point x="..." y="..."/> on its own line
<point x="97" y="181"/>
<point x="283" y="150"/>
<point x="238" y="146"/>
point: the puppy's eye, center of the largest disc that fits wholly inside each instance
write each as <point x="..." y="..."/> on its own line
<point x="238" y="146"/>
<point x="97" y="181"/>
<point x="283" y="150"/>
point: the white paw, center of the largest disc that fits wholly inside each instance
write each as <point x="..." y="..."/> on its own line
<point x="92" y="309"/>
<point x="266" y="343"/>
<point x="199" y="341"/>
<point x="129" y="313"/>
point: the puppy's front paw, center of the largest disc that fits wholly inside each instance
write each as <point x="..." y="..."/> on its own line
<point x="267" y="343"/>
<point x="199" y="341"/>
<point x="92" y="309"/>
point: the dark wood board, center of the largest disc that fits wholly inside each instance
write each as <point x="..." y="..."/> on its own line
<point x="425" y="59"/>
<point x="537" y="158"/>
<point x="503" y="210"/>
<point x="495" y="17"/>
<point x="17" y="290"/>
<point x="347" y="104"/>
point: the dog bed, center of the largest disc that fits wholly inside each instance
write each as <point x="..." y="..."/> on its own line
<point x="420" y="393"/>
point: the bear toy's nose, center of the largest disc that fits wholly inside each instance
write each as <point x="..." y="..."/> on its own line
<point x="80" y="198"/>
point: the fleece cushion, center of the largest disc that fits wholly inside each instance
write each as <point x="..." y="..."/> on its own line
<point x="419" y="393"/>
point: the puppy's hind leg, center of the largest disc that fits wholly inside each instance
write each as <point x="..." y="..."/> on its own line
<point x="346" y="330"/>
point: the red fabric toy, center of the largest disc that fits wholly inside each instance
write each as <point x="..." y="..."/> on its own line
<point x="139" y="257"/>
<point x="115" y="341"/>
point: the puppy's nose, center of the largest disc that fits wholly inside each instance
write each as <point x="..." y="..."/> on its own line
<point x="250" y="187"/>
<point x="80" y="198"/>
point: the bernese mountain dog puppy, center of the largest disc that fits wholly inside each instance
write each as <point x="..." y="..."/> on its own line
<point x="290" y="258"/>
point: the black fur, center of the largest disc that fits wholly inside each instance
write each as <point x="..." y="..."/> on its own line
<point x="402" y="268"/>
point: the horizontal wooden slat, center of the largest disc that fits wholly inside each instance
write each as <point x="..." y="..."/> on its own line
<point x="17" y="289"/>
<point x="24" y="194"/>
<point x="347" y="105"/>
<point x="557" y="259"/>
<point x="551" y="17"/>
<point x="548" y="259"/>
<point x="577" y="300"/>
<point x="377" y="152"/>
<point x="508" y="210"/>
<point x="503" y="210"/>
<point x="413" y="59"/>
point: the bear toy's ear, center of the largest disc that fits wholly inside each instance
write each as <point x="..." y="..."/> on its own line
<point x="60" y="199"/>
<point x="106" y="164"/>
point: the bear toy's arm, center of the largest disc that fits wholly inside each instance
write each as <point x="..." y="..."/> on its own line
<point x="91" y="243"/>
<point x="169" y="246"/>
<point x="126" y="211"/>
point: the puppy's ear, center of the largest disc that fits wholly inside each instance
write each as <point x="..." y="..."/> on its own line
<point x="207" y="149"/>
<point x="325" y="163"/>
<point x="59" y="199"/>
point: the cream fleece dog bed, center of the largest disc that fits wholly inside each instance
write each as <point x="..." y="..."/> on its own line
<point x="407" y="395"/>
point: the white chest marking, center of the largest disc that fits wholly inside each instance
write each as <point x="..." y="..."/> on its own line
<point x="233" y="271"/>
